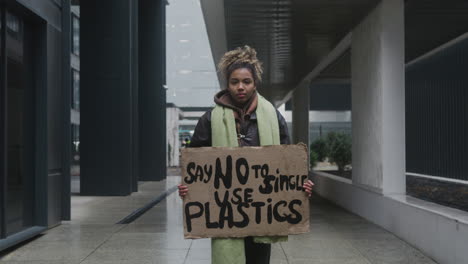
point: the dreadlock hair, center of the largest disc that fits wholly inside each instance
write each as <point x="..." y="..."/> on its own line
<point x="245" y="57"/>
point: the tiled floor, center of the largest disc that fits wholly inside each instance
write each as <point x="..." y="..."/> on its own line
<point x="92" y="237"/>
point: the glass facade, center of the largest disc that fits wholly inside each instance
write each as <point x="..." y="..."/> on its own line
<point x="75" y="100"/>
<point x="75" y="35"/>
<point x="19" y="203"/>
<point x="76" y="90"/>
<point x="75" y="148"/>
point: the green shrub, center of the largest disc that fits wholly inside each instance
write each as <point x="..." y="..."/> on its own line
<point x="339" y="149"/>
<point x="330" y="141"/>
<point x="313" y="158"/>
<point x="321" y="148"/>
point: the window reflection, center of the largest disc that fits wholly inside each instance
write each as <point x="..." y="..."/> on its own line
<point x="75" y="35"/>
<point x="76" y="90"/>
<point x="14" y="26"/>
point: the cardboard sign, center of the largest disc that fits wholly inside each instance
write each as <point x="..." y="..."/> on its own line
<point x="247" y="191"/>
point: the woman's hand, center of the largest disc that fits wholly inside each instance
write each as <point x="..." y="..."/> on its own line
<point x="308" y="187"/>
<point x="183" y="190"/>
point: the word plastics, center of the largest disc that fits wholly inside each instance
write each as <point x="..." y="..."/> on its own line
<point x="245" y="191"/>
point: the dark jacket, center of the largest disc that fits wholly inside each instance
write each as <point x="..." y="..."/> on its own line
<point x="248" y="129"/>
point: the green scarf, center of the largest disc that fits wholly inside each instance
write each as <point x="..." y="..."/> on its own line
<point x="224" y="134"/>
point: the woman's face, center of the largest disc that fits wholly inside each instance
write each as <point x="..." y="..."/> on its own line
<point x="241" y="85"/>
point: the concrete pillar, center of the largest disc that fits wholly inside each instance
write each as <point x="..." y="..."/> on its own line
<point x="107" y="97"/>
<point x="300" y="115"/>
<point x="152" y="94"/>
<point x="378" y="99"/>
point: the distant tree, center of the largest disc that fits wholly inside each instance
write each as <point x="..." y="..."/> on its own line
<point x="313" y="158"/>
<point x="339" y="149"/>
<point x="320" y="147"/>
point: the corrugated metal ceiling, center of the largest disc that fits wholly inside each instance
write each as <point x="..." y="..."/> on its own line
<point x="292" y="36"/>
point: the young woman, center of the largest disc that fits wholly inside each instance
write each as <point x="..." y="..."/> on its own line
<point x="241" y="117"/>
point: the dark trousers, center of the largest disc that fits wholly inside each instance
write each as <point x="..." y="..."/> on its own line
<point x="256" y="253"/>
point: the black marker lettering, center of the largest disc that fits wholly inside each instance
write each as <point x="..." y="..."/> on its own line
<point x="242" y="177"/>
<point x="269" y="212"/>
<point x="248" y="195"/>
<point x="189" y="216"/>
<point x="258" y="211"/>
<point x="291" y="182"/>
<point x="303" y="179"/>
<point x="226" y="177"/>
<point x="265" y="170"/>
<point x="267" y="188"/>
<point x="245" y="217"/>
<point x="276" y="214"/>
<point x="236" y="195"/>
<point x="298" y="218"/>
<point x="225" y="214"/>
<point x="209" y="224"/>
<point x="208" y="171"/>
<point x="284" y="182"/>
<point x="190" y="167"/>
<point x="225" y="199"/>
<point x="199" y="173"/>
<point x="256" y="168"/>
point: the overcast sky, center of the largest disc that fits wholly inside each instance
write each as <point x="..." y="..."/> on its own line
<point x="191" y="75"/>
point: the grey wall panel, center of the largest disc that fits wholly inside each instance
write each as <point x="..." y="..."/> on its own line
<point x="54" y="197"/>
<point x="54" y="94"/>
<point x="437" y="114"/>
<point x="3" y="123"/>
<point x="41" y="88"/>
<point x="55" y="128"/>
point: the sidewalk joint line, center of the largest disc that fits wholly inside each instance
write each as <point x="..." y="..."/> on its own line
<point x="284" y="252"/>
<point x="188" y="251"/>
<point x="142" y="210"/>
<point x="100" y="245"/>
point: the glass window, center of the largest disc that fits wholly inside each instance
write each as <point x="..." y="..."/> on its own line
<point x="75" y="35"/>
<point x="75" y="145"/>
<point x="14" y="26"/>
<point x="76" y="90"/>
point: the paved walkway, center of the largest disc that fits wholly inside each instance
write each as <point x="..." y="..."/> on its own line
<point x="92" y="237"/>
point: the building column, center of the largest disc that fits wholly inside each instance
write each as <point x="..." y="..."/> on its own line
<point x="300" y="115"/>
<point x="378" y="99"/>
<point x="107" y="103"/>
<point x="66" y="102"/>
<point x="152" y="94"/>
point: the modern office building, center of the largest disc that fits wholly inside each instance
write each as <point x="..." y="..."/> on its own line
<point x="403" y="63"/>
<point x="77" y="75"/>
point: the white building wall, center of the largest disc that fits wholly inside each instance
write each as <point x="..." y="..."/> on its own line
<point x="173" y="144"/>
<point x="378" y="116"/>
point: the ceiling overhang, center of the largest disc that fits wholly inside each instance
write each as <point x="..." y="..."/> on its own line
<point x="298" y="40"/>
<point x="291" y="37"/>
